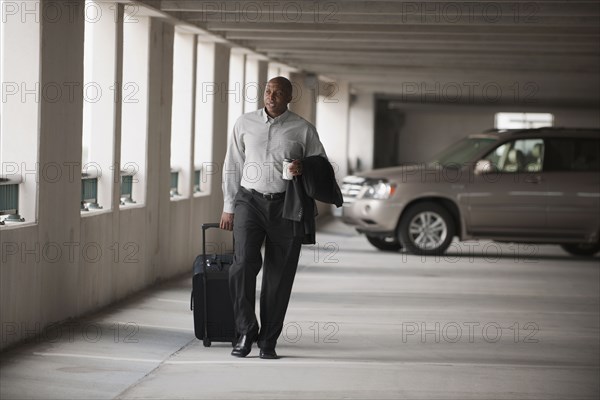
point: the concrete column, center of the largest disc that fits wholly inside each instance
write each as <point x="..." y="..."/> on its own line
<point x="220" y="112"/>
<point x="53" y="286"/>
<point x="361" y="131"/>
<point x="160" y="88"/>
<point x="256" y="77"/>
<point x="304" y="96"/>
<point x="118" y="66"/>
<point x="333" y="110"/>
<point x="210" y="144"/>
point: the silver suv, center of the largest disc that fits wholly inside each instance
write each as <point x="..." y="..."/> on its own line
<point x="531" y="186"/>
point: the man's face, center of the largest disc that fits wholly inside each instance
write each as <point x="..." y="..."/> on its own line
<point x="276" y="98"/>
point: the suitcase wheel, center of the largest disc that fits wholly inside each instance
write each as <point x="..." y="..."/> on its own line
<point x="206" y="342"/>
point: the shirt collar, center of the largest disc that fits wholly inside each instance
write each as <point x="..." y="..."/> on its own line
<point x="281" y="118"/>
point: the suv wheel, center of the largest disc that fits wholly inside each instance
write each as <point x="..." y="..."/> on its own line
<point x="384" y="243"/>
<point x="426" y="228"/>
<point x="582" y="249"/>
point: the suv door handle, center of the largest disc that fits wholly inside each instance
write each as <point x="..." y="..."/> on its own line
<point x="533" y="179"/>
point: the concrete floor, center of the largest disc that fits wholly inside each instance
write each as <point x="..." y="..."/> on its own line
<point x="495" y="322"/>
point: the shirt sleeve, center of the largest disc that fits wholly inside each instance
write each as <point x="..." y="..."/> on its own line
<point x="232" y="169"/>
<point x="314" y="147"/>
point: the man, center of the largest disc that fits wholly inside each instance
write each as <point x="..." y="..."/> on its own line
<point x="254" y="191"/>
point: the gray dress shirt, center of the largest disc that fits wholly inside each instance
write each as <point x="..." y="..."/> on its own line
<point x="257" y="148"/>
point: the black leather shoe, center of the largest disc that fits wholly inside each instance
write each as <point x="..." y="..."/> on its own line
<point x="268" y="354"/>
<point x="244" y="345"/>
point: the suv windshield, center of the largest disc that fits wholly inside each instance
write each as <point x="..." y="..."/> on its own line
<point x="462" y="152"/>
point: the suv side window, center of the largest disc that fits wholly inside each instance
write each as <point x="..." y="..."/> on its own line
<point x="572" y="154"/>
<point x="522" y="155"/>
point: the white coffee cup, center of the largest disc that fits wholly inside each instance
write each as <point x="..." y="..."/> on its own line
<point x="286" y="173"/>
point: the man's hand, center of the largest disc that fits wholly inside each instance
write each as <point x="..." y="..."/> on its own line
<point x="226" y="221"/>
<point x="295" y="168"/>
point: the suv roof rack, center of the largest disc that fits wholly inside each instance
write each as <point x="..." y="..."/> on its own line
<point x="543" y="129"/>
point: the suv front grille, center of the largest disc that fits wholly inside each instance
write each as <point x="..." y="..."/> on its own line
<point x="351" y="186"/>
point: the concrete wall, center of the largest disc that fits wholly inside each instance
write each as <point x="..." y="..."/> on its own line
<point x="65" y="264"/>
<point x="427" y="129"/>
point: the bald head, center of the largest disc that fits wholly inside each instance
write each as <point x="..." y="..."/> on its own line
<point x="278" y="93"/>
<point x="284" y="83"/>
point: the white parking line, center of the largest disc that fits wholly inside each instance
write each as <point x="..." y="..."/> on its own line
<point x="173" y="301"/>
<point x="164" y="327"/>
<point x="97" y="357"/>
<point x="290" y="362"/>
<point x="337" y="363"/>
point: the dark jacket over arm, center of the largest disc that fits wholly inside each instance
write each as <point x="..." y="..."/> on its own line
<point x="317" y="182"/>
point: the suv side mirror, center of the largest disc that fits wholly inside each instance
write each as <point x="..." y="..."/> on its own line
<point x="484" y="167"/>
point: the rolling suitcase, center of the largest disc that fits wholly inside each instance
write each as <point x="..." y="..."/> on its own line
<point x="210" y="301"/>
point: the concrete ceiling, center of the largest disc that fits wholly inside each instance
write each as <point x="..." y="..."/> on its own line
<point x="508" y="52"/>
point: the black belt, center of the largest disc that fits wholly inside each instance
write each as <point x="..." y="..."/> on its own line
<point x="269" y="196"/>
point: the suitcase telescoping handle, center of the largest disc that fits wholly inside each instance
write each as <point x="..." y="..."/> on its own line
<point x="205" y="227"/>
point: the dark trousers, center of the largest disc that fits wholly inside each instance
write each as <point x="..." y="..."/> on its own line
<point x="259" y="220"/>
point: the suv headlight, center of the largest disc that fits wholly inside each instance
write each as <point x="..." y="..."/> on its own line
<point x="377" y="189"/>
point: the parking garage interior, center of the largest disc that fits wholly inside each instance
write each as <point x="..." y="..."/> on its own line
<point x="116" y="117"/>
